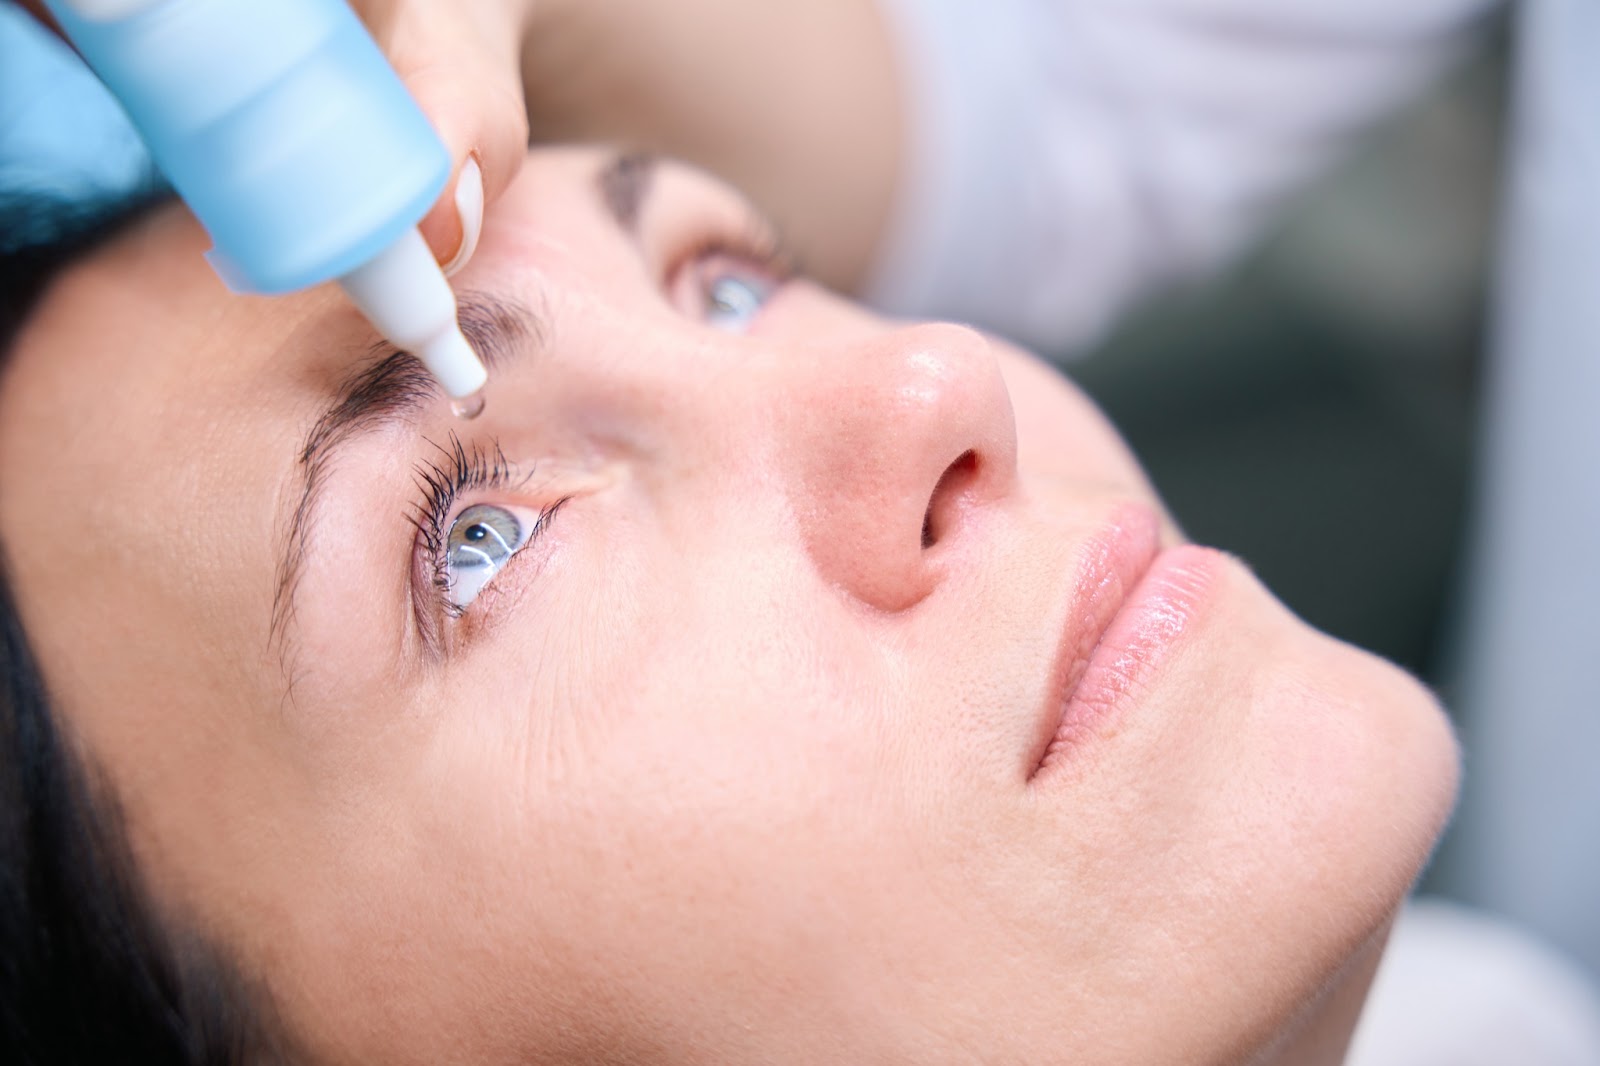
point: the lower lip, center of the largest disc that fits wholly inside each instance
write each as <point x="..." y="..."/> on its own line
<point x="1154" y="619"/>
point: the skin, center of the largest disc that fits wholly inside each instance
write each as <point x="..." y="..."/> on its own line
<point x="736" y="763"/>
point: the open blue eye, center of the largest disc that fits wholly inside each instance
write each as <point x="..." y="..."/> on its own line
<point x="483" y="538"/>
<point x="733" y="299"/>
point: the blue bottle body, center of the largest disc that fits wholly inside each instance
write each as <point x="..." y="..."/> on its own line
<point x="279" y="123"/>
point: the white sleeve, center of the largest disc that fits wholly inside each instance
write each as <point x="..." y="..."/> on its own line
<point x="1459" y="987"/>
<point x="1067" y="155"/>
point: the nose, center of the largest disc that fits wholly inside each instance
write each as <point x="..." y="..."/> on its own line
<point x="911" y="436"/>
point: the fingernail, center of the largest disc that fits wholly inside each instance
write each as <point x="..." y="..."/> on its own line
<point x="469" y="208"/>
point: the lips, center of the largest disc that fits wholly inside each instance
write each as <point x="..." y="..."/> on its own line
<point x="1131" y="603"/>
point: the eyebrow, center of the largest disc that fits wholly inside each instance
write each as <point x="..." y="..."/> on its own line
<point x="623" y="185"/>
<point x="394" y="386"/>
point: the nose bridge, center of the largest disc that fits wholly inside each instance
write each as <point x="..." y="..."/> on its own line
<point x="900" y="438"/>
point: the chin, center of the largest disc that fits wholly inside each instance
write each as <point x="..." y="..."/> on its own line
<point x="1366" y="768"/>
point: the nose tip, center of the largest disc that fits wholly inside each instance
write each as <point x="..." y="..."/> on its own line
<point x="918" y="433"/>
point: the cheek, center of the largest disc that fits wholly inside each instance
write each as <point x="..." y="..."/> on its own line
<point x="686" y="697"/>
<point x="743" y="708"/>
<point x="1060" y="432"/>
<point x="1372" y="757"/>
<point x="1324" y="794"/>
<point x="718" y="784"/>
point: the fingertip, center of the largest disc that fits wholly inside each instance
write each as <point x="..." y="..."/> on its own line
<point x="468" y="201"/>
<point x="452" y="226"/>
<point x="441" y="228"/>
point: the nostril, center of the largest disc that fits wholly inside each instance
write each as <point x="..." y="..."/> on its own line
<point x="944" y="506"/>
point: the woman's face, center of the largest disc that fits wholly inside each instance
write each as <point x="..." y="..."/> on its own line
<point x="836" y="690"/>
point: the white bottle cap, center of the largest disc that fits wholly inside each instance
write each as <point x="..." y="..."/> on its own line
<point x="404" y="295"/>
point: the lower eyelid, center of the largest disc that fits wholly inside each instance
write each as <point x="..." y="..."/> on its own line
<point x="533" y="522"/>
<point x="482" y="540"/>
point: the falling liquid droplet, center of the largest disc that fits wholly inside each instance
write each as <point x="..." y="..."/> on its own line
<point x="467" y="407"/>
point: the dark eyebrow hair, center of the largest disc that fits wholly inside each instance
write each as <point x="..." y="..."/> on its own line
<point x="393" y="386"/>
<point x="624" y="184"/>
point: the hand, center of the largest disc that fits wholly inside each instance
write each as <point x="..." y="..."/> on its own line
<point x="461" y="60"/>
<point x="797" y="104"/>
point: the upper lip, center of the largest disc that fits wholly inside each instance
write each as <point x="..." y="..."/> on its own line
<point x="1108" y="565"/>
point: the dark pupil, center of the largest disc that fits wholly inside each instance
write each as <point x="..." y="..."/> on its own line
<point x="476" y="531"/>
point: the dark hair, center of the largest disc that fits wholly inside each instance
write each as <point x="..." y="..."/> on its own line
<point x="42" y="231"/>
<point x="90" y="970"/>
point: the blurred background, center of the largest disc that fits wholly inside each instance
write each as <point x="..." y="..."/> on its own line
<point x="1314" y="411"/>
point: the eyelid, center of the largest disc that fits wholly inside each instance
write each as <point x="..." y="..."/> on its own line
<point x="443" y="482"/>
<point x="754" y="241"/>
<point x="723" y="224"/>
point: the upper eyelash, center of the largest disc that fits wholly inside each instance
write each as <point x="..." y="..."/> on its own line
<point x="440" y="483"/>
<point x="756" y="241"/>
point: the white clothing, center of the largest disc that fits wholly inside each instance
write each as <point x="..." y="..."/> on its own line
<point x="1067" y="156"/>
<point x="1457" y="988"/>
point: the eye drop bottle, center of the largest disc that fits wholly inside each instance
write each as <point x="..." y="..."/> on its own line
<point x="292" y="140"/>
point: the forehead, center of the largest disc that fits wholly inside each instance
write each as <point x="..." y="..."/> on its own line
<point x="124" y="433"/>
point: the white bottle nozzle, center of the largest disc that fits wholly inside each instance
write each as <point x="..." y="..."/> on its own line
<point x="404" y="295"/>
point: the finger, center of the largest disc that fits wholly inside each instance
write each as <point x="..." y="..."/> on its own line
<point x="469" y="85"/>
<point x="487" y="137"/>
<point x="468" y="201"/>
